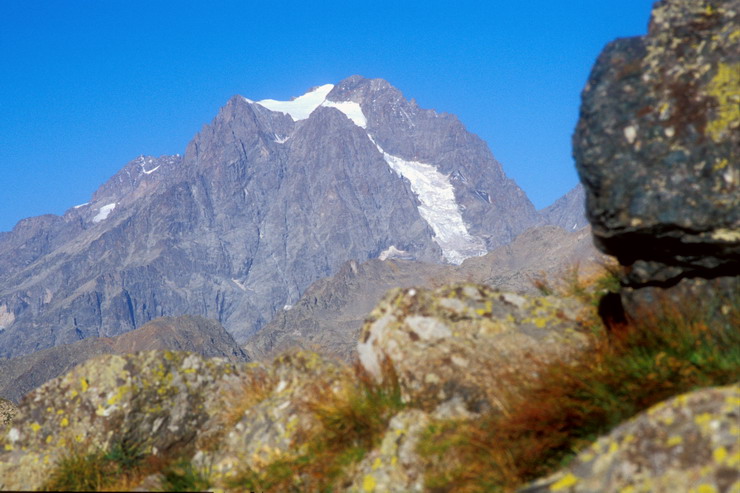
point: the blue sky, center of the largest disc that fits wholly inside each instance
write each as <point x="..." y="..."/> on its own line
<point x="86" y="86"/>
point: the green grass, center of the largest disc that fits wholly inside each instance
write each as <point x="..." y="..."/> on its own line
<point x="95" y="470"/>
<point x="184" y="476"/>
<point x="629" y="370"/>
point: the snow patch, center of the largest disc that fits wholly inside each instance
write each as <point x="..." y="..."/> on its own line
<point x="281" y="140"/>
<point x="301" y="107"/>
<point x="438" y="207"/>
<point x="392" y="252"/>
<point x="149" y="172"/>
<point x="104" y="212"/>
<point x="81" y="205"/>
<point x="240" y="284"/>
<point x="351" y="109"/>
<point x="287" y="307"/>
<point x="6" y="317"/>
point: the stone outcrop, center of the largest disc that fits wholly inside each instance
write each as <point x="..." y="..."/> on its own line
<point x="208" y="338"/>
<point x="658" y="152"/>
<point x="688" y="443"/>
<point x="454" y="342"/>
<point x="274" y="422"/>
<point x="456" y="352"/>
<point x="158" y="400"/>
<point x="394" y="466"/>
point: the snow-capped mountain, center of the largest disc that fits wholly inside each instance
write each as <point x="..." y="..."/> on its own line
<point x="268" y="198"/>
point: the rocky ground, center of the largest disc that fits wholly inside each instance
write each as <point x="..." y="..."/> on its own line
<point x="624" y="384"/>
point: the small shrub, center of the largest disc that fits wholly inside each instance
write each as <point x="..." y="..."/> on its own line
<point x="78" y="471"/>
<point x="126" y="455"/>
<point x="85" y="470"/>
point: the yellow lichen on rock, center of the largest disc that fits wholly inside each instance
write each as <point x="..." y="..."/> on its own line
<point x="725" y="89"/>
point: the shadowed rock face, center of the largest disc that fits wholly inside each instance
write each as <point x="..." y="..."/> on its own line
<point x="658" y="148"/>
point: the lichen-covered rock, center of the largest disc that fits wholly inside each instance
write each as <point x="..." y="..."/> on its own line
<point x="466" y="342"/>
<point x="657" y="145"/>
<point x="394" y="466"/>
<point x="689" y="443"/>
<point x="7" y="412"/>
<point x="157" y="400"/>
<point x="271" y="421"/>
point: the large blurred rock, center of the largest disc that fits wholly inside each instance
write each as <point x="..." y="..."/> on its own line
<point x="689" y="443"/>
<point x="467" y="343"/>
<point x="658" y="146"/>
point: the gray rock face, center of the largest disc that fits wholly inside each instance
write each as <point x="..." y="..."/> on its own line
<point x="21" y="375"/>
<point x="569" y="211"/>
<point x="261" y="205"/>
<point x="657" y="145"/>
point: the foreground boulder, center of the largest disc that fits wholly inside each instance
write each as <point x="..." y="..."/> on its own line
<point x="157" y="400"/>
<point x="453" y="342"/>
<point x="689" y="443"/>
<point x="657" y="149"/>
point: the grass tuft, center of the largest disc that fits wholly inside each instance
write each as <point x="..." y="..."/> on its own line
<point x="353" y="415"/>
<point x="184" y="476"/>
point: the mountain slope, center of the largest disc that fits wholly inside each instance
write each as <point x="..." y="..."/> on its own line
<point x="329" y="315"/>
<point x="569" y="211"/>
<point x="18" y="376"/>
<point x="262" y="204"/>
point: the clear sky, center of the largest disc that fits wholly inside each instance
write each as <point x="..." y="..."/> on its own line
<point x="86" y="86"/>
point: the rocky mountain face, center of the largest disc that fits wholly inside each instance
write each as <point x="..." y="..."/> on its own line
<point x="329" y="315"/>
<point x="268" y="198"/>
<point x="208" y="338"/>
<point x="569" y="211"/>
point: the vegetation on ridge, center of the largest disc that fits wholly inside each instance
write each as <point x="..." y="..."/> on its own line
<point x="539" y="427"/>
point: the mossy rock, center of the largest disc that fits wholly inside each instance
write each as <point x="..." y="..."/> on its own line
<point x="690" y="442"/>
<point x="656" y="145"/>
<point x="8" y="411"/>
<point x="468" y="342"/>
<point x="158" y="400"/>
